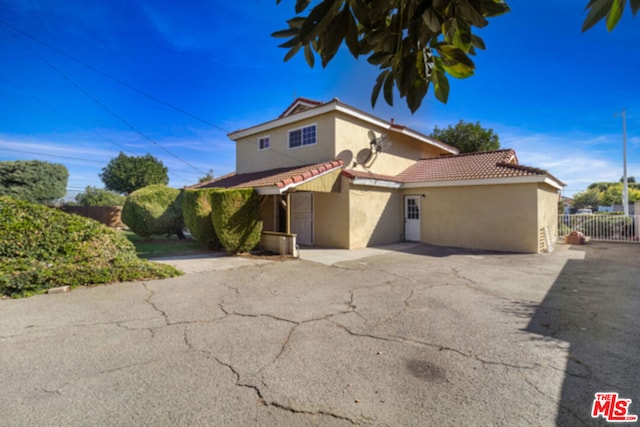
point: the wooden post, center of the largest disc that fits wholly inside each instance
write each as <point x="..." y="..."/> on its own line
<point x="288" y="213"/>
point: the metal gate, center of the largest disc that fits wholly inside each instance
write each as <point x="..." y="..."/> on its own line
<point x="602" y="227"/>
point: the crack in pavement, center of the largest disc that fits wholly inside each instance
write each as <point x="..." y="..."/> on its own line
<point x="273" y="404"/>
<point x="403" y="340"/>
<point x="153" y="305"/>
<point x="554" y="401"/>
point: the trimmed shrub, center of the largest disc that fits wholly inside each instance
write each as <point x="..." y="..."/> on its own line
<point x="196" y="210"/>
<point x="237" y="219"/>
<point x="43" y="247"/>
<point x="155" y="209"/>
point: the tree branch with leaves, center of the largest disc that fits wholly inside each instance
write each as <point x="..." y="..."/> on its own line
<point x="415" y="44"/>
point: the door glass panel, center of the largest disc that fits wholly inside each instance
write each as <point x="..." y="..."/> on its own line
<point x="413" y="210"/>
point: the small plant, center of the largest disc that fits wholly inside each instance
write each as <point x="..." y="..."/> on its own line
<point x="237" y="219"/>
<point x="154" y="210"/>
<point x="43" y="247"/>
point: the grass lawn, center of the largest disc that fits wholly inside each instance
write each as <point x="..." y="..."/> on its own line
<point x="161" y="246"/>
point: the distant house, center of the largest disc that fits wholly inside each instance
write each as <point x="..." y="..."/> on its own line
<point x="338" y="177"/>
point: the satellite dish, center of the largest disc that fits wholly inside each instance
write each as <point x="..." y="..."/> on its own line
<point x="378" y="144"/>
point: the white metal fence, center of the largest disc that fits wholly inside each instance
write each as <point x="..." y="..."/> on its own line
<point x="605" y="227"/>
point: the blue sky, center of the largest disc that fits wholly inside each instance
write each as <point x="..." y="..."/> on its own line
<point x="548" y="90"/>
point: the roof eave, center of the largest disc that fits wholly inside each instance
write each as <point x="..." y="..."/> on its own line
<point x="336" y="105"/>
<point x="545" y="179"/>
<point x="373" y="182"/>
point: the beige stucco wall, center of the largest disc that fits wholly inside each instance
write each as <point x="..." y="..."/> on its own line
<point x="375" y="216"/>
<point x="278" y="155"/>
<point x="548" y="209"/>
<point x="399" y="151"/>
<point x="494" y="217"/>
<point x="331" y="217"/>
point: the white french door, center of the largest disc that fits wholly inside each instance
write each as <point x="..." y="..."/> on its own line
<point x="412" y="218"/>
<point x="302" y="217"/>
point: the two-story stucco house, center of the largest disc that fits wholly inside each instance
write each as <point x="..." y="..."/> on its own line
<point x="338" y="177"/>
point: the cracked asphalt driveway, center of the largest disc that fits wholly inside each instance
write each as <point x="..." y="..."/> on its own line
<point x="428" y="336"/>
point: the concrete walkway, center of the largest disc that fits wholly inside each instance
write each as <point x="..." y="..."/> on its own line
<point x="334" y="256"/>
<point x="202" y="263"/>
<point x="220" y="261"/>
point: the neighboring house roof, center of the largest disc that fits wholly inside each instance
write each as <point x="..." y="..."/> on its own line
<point x="274" y="180"/>
<point x="303" y="108"/>
<point x="489" y="167"/>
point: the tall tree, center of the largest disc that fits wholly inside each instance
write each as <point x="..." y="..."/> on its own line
<point x="604" y="194"/>
<point x="125" y="174"/>
<point x="33" y="180"/>
<point x="468" y="137"/>
<point x="93" y="196"/>
<point x="414" y="43"/>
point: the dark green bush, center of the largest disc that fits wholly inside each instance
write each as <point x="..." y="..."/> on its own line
<point x="155" y="209"/>
<point x="196" y="210"/>
<point x="42" y="247"/>
<point x="237" y="219"/>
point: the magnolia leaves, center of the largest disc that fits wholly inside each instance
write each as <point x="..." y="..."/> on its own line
<point x="611" y="9"/>
<point x="414" y="43"/>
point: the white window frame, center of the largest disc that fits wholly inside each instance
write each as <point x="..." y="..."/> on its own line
<point x="262" y="138"/>
<point x="301" y="129"/>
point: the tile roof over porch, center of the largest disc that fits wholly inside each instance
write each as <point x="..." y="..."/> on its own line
<point x="280" y="178"/>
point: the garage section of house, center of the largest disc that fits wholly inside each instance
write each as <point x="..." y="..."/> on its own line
<point x="479" y="200"/>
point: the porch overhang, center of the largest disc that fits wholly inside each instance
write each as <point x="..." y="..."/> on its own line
<point x="323" y="182"/>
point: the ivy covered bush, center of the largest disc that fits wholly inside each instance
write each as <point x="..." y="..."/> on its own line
<point x="154" y="210"/>
<point x="43" y="247"/>
<point x="196" y="210"/>
<point x="237" y="219"/>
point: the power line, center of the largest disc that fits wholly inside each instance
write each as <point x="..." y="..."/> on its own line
<point x="128" y="86"/>
<point x="111" y="77"/>
<point x="113" y="113"/>
<point x="58" y="156"/>
<point x="51" y="155"/>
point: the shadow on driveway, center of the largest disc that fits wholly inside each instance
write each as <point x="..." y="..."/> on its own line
<point x="594" y="305"/>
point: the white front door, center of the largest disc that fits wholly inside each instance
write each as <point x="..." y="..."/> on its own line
<point x="412" y="218"/>
<point x="302" y="217"/>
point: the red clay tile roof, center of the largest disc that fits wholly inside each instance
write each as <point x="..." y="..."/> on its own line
<point x="280" y="177"/>
<point x="485" y="165"/>
<point x="306" y="104"/>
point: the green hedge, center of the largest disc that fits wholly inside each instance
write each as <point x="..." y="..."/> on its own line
<point x="237" y="219"/>
<point x="196" y="210"/>
<point x="42" y="247"/>
<point x="154" y="210"/>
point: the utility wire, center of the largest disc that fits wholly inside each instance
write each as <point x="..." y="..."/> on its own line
<point x="127" y="85"/>
<point x="113" y="113"/>
<point x="58" y="156"/>
<point x="51" y="155"/>
<point x="111" y="77"/>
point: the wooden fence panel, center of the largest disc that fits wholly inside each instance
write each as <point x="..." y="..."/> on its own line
<point x="107" y="215"/>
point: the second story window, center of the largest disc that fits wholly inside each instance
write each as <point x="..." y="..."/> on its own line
<point x="302" y="136"/>
<point x="263" y="143"/>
